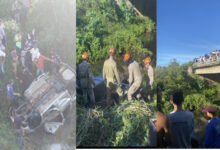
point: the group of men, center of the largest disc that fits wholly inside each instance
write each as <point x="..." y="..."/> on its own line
<point x="176" y="129"/>
<point x="211" y="57"/>
<point x="27" y="63"/>
<point x="112" y="78"/>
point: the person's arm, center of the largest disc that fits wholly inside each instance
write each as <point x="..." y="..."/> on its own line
<point x="209" y="136"/>
<point x="163" y="130"/>
<point x="151" y="76"/>
<point x="130" y="78"/>
<point x="46" y="58"/>
<point x="91" y="75"/>
<point x="16" y="94"/>
<point x="116" y="74"/>
<point x="103" y="72"/>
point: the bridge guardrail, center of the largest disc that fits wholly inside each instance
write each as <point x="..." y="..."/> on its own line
<point x="207" y="62"/>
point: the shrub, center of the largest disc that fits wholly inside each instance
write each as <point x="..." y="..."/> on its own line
<point x="121" y="125"/>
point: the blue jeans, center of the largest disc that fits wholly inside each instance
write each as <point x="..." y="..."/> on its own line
<point x="40" y="72"/>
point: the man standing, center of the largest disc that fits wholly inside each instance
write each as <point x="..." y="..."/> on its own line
<point x="25" y="79"/>
<point x="150" y="78"/>
<point x="18" y="39"/>
<point x="40" y="64"/>
<point x="212" y="137"/>
<point x="10" y="93"/>
<point x="84" y="75"/>
<point x="19" y="127"/>
<point x="2" y="61"/>
<point x="135" y="77"/>
<point x="182" y="123"/>
<point x="56" y="61"/>
<point x="35" y="53"/>
<point x="2" y="33"/>
<point x="15" y="61"/>
<point x="110" y="74"/>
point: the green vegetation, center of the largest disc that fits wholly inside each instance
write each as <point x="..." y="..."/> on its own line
<point x="122" y="125"/>
<point x="102" y="24"/>
<point x="197" y="92"/>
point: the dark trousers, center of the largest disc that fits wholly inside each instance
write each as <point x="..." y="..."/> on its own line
<point x="88" y="93"/>
<point x="19" y="139"/>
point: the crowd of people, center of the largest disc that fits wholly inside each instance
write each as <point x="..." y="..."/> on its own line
<point x="112" y="78"/>
<point x="208" y="58"/>
<point x="176" y="129"/>
<point x="27" y="63"/>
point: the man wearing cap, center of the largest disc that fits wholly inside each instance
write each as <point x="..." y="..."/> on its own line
<point x="182" y="122"/>
<point x="135" y="77"/>
<point x="212" y="137"/>
<point x="150" y="78"/>
<point x="110" y="74"/>
<point x="85" y="77"/>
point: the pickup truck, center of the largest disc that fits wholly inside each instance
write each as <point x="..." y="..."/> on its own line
<point x="47" y="99"/>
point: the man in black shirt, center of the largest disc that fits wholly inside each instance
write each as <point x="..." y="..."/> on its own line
<point x="18" y="124"/>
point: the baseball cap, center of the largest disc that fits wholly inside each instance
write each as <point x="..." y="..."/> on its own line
<point x="209" y="109"/>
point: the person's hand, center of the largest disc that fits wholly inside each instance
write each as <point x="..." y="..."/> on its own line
<point x="17" y="94"/>
<point x="120" y="85"/>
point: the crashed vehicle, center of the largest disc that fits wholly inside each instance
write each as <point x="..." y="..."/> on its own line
<point x="47" y="98"/>
<point x="100" y="89"/>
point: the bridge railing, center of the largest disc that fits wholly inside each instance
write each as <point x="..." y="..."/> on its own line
<point x="206" y="62"/>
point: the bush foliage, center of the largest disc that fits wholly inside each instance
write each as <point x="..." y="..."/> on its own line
<point x="198" y="93"/>
<point x="104" y="24"/>
<point x="122" y="125"/>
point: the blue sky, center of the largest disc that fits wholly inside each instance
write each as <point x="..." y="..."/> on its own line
<point x="186" y="29"/>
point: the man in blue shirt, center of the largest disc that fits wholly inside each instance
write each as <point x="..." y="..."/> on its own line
<point x="10" y="92"/>
<point x="181" y="121"/>
<point x="212" y="137"/>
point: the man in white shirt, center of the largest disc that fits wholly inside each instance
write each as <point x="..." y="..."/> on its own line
<point x="182" y="122"/>
<point x="2" y="33"/>
<point x="35" y="52"/>
<point x="2" y="61"/>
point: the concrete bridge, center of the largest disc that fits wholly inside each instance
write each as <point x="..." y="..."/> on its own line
<point x="209" y="70"/>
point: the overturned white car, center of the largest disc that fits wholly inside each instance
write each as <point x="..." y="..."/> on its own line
<point x="46" y="100"/>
